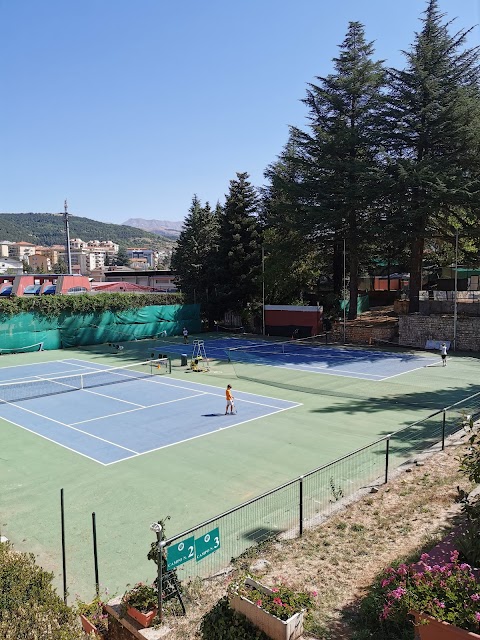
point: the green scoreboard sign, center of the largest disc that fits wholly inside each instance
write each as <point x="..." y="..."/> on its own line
<point x="181" y="552"/>
<point x="191" y="548"/>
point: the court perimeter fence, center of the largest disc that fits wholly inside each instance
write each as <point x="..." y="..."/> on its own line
<point x="287" y="511"/>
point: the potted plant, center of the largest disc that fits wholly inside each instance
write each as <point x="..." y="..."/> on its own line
<point x="93" y="617"/>
<point x="140" y="603"/>
<point x="443" y="599"/>
<point x="277" y="611"/>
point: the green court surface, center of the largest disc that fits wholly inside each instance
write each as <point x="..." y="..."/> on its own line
<point x="197" y="479"/>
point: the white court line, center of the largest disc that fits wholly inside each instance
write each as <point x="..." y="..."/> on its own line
<point x="121" y="413"/>
<point x="218" y="393"/>
<point x="104" y="395"/>
<point x="409" y="371"/>
<point x="33" y="364"/>
<point x="63" y="424"/>
<point x="201" y="435"/>
<point x="373" y="377"/>
<point x="16" y="424"/>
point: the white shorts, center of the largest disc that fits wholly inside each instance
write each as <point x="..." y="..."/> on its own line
<point x="229" y="403"/>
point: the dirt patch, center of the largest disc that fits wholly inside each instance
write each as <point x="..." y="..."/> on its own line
<point x="341" y="557"/>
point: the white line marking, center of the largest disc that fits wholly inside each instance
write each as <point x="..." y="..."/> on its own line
<point x="16" y="424"/>
<point x="34" y="364"/>
<point x="404" y="372"/>
<point x="201" y="435"/>
<point x="120" y="413"/>
<point x="104" y="395"/>
<point x="40" y="415"/>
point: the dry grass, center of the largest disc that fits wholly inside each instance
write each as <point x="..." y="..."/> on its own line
<point x="341" y="557"/>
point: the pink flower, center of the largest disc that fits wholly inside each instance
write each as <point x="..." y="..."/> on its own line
<point x="258" y="603"/>
<point x="275" y="590"/>
<point x="385" y="612"/>
<point x="424" y="557"/>
<point x="402" y="570"/>
<point x="454" y="556"/>
<point x="477" y="616"/>
<point x="475" y="597"/>
<point x="439" y="604"/>
<point x="278" y="601"/>
<point x="386" y="582"/>
<point x="398" y="593"/>
<point x="314" y="593"/>
<point x="465" y="566"/>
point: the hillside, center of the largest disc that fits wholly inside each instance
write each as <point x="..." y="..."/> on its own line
<point x="169" y="228"/>
<point x="48" y="229"/>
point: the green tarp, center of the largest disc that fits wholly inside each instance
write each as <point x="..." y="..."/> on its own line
<point x="363" y="304"/>
<point x="26" y="330"/>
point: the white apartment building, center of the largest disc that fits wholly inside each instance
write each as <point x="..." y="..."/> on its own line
<point x="4" y="248"/>
<point x="84" y="260"/>
<point x="21" y="250"/>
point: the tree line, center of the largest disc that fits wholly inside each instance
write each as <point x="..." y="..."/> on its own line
<point x="387" y="171"/>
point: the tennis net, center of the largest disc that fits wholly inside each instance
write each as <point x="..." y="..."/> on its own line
<point x="28" y="389"/>
<point x="28" y="349"/>
<point x="300" y="345"/>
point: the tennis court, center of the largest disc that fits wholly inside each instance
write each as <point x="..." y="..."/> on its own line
<point x="116" y="413"/>
<point x="173" y="452"/>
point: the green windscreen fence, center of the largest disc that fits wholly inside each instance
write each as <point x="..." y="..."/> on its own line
<point x="34" y="331"/>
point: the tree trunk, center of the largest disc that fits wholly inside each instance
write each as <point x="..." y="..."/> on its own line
<point x="416" y="260"/>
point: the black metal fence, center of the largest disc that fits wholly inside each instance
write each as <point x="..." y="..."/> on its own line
<point x="302" y="503"/>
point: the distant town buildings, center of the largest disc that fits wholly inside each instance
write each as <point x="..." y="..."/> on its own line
<point x="90" y="258"/>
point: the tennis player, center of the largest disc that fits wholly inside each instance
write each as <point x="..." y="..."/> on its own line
<point x="230" y="399"/>
<point x="443" y="353"/>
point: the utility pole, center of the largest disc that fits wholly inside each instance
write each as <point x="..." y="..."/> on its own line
<point x="67" y="234"/>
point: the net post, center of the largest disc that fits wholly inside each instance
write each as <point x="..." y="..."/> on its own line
<point x="444" y="413"/>
<point x="95" y="554"/>
<point x="387" y="455"/>
<point x="81" y="381"/>
<point x="300" y="480"/>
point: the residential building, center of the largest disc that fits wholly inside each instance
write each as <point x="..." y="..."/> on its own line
<point x="21" y="250"/>
<point x="136" y="255"/>
<point x="40" y="262"/>
<point x="11" y="266"/>
<point x="4" y="245"/>
<point x="85" y="261"/>
<point x="161" y="280"/>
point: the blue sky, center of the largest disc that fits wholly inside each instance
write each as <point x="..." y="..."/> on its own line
<point x="129" y="107"/>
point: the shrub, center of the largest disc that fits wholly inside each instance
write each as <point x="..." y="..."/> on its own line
<point x="30" y="608"/>
<point x="223" y="623"/>
<point x="143" y="597"/>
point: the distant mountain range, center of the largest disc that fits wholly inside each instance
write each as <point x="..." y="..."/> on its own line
<point x="48" y="229"/>
<point x="168" y="228"/>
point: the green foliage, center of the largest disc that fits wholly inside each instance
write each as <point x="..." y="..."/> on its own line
<point x="85" y="303"/>
<point x="141" y="596"/>
<point x="239" y="258"/>
<point x="223" y="623"/>
<point x="468" y="541"/>
<point x="94" y="611"/>
<point x="448" y="593"/>
<point x="47" y="229"/>
<point x="195" y="254"/>
<point x="30" y="608"/>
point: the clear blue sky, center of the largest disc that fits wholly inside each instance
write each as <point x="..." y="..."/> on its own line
<point x="129" y="107"/>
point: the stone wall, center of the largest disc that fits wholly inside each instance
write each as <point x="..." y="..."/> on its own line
<point x="415" y="330"/>
<point x="364" y="332"/>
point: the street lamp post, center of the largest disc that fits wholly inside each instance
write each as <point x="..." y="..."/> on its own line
<point x="157" y="528"/>
<point x="263" y="291"/>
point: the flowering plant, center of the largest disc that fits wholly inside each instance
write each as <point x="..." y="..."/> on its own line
<point x="143" y="597"/>
<point x="449" y="592"/>
<point x="95" y="613"/>
<point x="280" y="600"/>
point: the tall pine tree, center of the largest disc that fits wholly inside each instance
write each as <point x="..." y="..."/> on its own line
<point x="239" y="262"/>
<point x="194" y="255"/>
<point x="339" y="159"/>
<point x="435" y="138"/>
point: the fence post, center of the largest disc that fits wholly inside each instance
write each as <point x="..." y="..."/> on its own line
<point x="387" y="454"/>
<point x="443" y="429"/>
<point x="95" y="554"/>
<point x="301" y="504"/>
<point x="64" y="557"/>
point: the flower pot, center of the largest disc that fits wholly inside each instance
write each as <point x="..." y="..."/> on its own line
<point x="437" y="630"/>
<point x="272" y="626"/>
<point x="88" y="627"/>
<point x="145" y="619"/>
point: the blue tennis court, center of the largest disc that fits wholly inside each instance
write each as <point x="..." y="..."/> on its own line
<point x="110" y="414"/>
<point x="353" y="362"/>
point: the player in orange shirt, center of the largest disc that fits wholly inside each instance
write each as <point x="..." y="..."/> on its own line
<point x="229" y="396"/>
